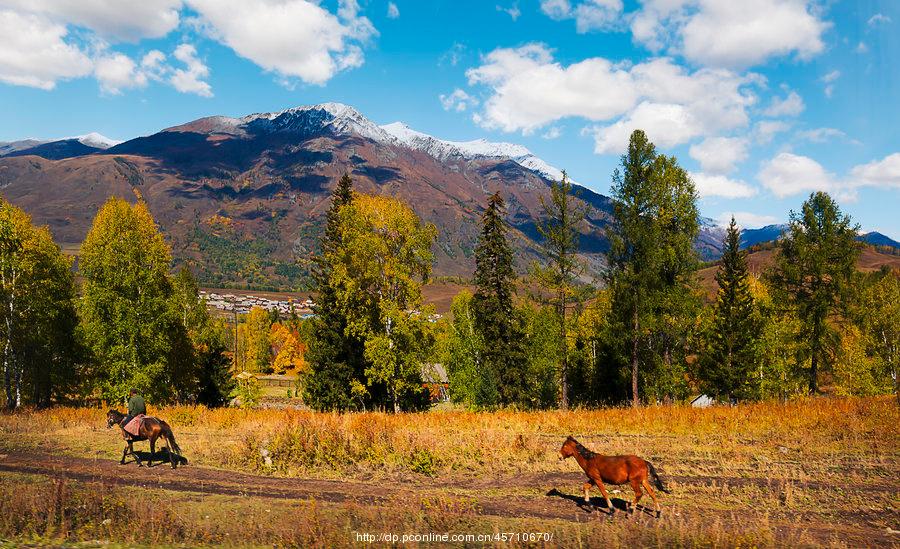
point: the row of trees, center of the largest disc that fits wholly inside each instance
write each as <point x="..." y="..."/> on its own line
<point x="134" y="325"/>
<point x="371" y="335"/>
<point x="548" y="339"/>
<point x="651" y="334"/>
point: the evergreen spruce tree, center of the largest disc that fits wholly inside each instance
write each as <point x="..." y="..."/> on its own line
<point x="502" y="358"/>
<point x="559" y="276"/>
<point x="336" y="361"/>
<point x="651" y="257"/>
<point x="813" y="275"/>
<point x="730" y="357"/>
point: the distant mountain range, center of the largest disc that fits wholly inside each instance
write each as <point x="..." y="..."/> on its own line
<point x="242" y="199"/>
<point x="769" y="233"/>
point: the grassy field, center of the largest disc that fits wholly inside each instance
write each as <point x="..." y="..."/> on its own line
<point x="804" y="473"/>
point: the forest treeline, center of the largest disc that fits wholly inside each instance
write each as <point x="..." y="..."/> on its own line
<point x="546" y="339"/>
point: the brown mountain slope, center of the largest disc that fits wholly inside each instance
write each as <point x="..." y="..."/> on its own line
<point x="869" y="260"/>
<point x="242" y="200"/>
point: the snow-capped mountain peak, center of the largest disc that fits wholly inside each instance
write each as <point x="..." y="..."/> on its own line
<point x="339" y="118"/>
<point x="443" y="150"/>
<point x="97" y="140"/>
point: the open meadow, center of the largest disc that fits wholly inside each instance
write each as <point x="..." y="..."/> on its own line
<point x="805" y="473"/>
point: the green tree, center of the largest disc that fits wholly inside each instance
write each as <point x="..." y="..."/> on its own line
<point x="206" y="368"/>
<point x="461" y="352"/>
<point x="559" y="276"/>
<point x="502" y="359"/>
<point x="878" y="316"/>
<point x="385" y="258"/>
<point x="255" y="343"/>
<point x="651" y="260"/>
<point x="125" y="305"/>
<point x="40" y="352"/>
<point x="729" y="362"/>
<point x="335" y="356"/>
<point x="813" y="274"/>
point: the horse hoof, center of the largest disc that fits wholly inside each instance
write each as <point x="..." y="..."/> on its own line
<point x="658" y="514"/>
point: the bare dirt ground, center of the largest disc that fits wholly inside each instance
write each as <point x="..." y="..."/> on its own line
<point x="542" y="496"/>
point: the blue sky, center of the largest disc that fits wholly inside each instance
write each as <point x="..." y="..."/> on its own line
<point x="763" y="101"/>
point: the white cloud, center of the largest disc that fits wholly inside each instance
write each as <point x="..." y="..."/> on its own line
<point x="190" y="78"/>
<point x="292" y="38"/>
<point x="666" y="124"/>
<point x="747" y="220"/>
<point x="861" y="48"/>
<point x="530" y="90"/>
<point x="792" y="105"/>
<point x="116" y="72"/>
<point x="117" y="20"/>
<point x="589" y="15"/>
<point x="556" y="9"/>
<point x="513" y="11"/>
<point x="34" y="52"/>
<point x="457" y="101"/>
<point x="552" y="132"/>
<point x="730" y="34"/>
<point x="829" y="80"/>
<point x="765" y="130"/>
<point x="393" y="11"/>
<point x="719" y="155"/>
<point x="820" y="135"/>
<point x="789" y="174"/>
<point x="878" y="18"/>
<point x="452" y="56"/>
<point x="879" y="173"/>
<point x="708" y="185"/>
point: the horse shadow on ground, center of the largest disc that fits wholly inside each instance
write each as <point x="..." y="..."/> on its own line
<point x="161" y="457"/>
<point x="597" y="503"/>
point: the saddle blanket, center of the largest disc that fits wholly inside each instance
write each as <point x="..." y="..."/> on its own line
<point x="133" y="427"/>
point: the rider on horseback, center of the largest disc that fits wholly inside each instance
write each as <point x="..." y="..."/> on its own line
<point x="136" y="405"/>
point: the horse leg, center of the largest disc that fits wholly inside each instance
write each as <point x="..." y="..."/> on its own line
<point x="636" y="486"/>
<point x="652" y="495"/>
<point x="137" y="458"/>
<point x="169" y="451"/>
<point x="609" y="504"/>
<point x="587" y="492"/>
<point x="152" y="450"/>
<point x="124" y="453"/>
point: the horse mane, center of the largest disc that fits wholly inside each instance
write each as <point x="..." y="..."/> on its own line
<point x="582" y="449"/>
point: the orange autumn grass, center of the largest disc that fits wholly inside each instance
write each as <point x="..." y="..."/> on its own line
<point x="286" y="442"/>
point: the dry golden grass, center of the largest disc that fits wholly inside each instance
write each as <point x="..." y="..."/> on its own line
<point x="40" y="512"/>
<point x="784" y="440"/>
<point x="807" y="472"/>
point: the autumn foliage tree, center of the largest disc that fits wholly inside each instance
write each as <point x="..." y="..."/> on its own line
<point x="385" y="256"/>
<point x="41" y="356"/>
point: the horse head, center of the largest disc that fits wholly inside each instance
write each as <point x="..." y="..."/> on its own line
<point x="113" y="417"/>
<point x="568" y="449"/>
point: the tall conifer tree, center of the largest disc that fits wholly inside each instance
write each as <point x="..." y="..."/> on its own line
<point x="502" y="359"/>
<point x="813" y="273"/>
<point x="559" y="229"/>
<point x="335" y="357"/>
<point x="651" y="255"/>
<point x="727" y="365"/>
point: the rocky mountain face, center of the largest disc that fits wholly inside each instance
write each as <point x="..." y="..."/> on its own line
<point x="242" y="199"/>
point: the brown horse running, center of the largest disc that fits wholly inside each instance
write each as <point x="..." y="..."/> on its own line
<point x="613" y="470"/>
<point x="151" y="429"/>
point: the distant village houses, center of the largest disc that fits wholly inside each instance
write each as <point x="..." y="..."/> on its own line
<point x="241" y="304"/>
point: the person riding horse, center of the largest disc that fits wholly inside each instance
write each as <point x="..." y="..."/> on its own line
<point x="136" y="405"/>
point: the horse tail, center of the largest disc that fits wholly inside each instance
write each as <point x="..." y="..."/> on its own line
<point x="167" y="431"/>
<point x="657" y="480"/>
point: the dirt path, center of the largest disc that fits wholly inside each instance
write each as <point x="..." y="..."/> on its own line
<point x="558" y="504"/>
